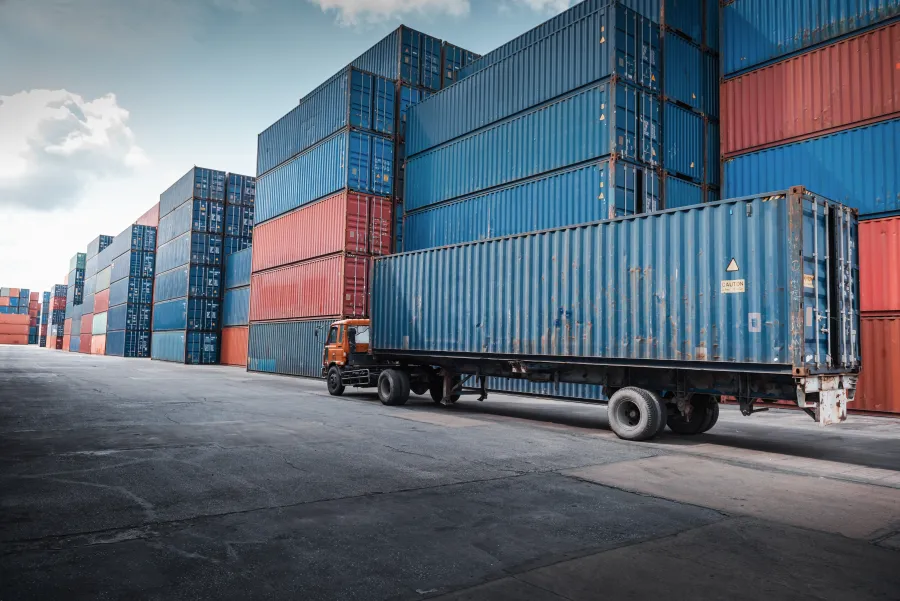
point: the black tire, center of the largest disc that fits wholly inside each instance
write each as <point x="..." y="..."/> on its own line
<point x="634" y="414"/>
<point x="663" y="408"/>
<point x="335" y="386"/>
<point x="712" y="417"/>
<point x="437" y="390"/>
<point x="702" y="407"/>
<point x="393" y="387"/>
<point x="419" y="388"/>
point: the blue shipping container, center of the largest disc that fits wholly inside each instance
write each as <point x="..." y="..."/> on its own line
<point x="239" y="221"/>
<point x="684" y="142"/>
<point x="288" y="348"/>
<point x="135" y="237"/>
<point x="351" y="159"/>
<point x="187" y="314"/>
<point x="205" y="184"/>
<point x="661" y="279"/>
<point x="74" y="343"/>
<point x="691" y="76"/>
<point x="759" y="31"/>
<point x="454" y="60"/>
<point x="408" y="96"/>
<point x="128" y="343"/>
<point x="349" y="99"/>
<point x="235" y="245"/>
<point x="203" y="216"/>
<point x="191" y="348"/>
<point x="627" y="47"/>
<point x="194" y="248"/>
<point x="598" y="191"/>
<point x="678" y="193"/>
<point x="135" y="264"/>
<point x="98" y="244"/>
<point x="602" y="120"/>
<point x="858" y="167"/>
<point x="237" y="269"/>
<point x="240" y="190"/>
<point x="405" y="55"/>
<point x="236" y="307"/>
<point x="189" y="280"/>
<point x="129" y="317"/>
<point x="131" y="290"/>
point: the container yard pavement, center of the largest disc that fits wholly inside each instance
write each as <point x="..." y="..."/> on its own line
<point x="126" y="479"/>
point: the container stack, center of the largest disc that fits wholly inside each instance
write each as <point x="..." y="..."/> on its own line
<point x="74" y="300"/>
<point x="96" y="291"/>
<point x="13" y="325"/>
<point x="56" y="317"/>
<point x="236" y="309"/>
<point x="30" y="301"/>
<point x="124" y="329"/>
<point x="45" y="319"/>
<point x="240" y="196"/>
<point x="188" y="288"/>
<point x="326" y="197"/>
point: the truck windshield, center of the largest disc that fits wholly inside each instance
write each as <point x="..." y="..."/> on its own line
<point x="362" y="334"/>
<point x="332" y="335"/>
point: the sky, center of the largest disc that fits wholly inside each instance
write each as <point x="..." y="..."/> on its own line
<point x="105" y="103"/>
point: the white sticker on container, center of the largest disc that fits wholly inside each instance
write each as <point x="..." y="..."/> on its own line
<point x="700" y="353"/>
<point x="809" y="317"/>
<point x="733" y="286"/>
<point x="754" y="322"/>
<point x="808" y="280"/>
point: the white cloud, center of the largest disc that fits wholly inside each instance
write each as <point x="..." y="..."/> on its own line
<point x="350" y="12"/>
<point x="547" y="6"/>
<point x="55" y="143"/>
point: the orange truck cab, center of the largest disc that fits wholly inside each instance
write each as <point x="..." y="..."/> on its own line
<point x="347" y="337"/>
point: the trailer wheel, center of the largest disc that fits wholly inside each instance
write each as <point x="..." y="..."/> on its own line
<point x="712" y="417"/>
<point x="437" y="390"/>
<point x="701" y="415"/>
<point x="420" y="387"/>
<point x="335" y="385"/>
<point x="393" y="387"/>
<point x="634" y="414"/>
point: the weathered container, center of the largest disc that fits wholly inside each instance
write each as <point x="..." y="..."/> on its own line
<point x="67" y="343"/>
<point x="879" y="265"/>
<point x="289" y="348"/>
<point x="129" y="316"/>
<point x="84" y="344"/>
<point x="592" y="192"/>
<point x="666" y="283"/>
<point x="150" y="218"/>
<point x="187" y="314"/>
<point x="234" y="346"/>
<point x="351" y="98"/>
<point x="345" y="222"/>
<point x="240" y="190"/>
<point x="237" y="269"/>
<point x="193" y="248"/>
<point x="613" y="40"/>
<point x="98" y="345"/>
<point x="196" y="281"/>
<point x="203" y="216"/>
<point x="101" y="301"/>
<point x="684" y="142"/>
<point x="236" y="307"/>
<point x="359" y="161"/>
<point x="758" y="31"/>
<point x="604" y="119"/>
<point x="192" y="348"/>
<point x="690" y="75"/>
<point x="131" y="290"/>
<point x="880" y="376"/>
<point x="857" y="167"/>
<point x="10" y="329"/>
<point x="128" y="343"/>
<point x="205" y="184"/>
<point x="405" y="55"/>
<point x="814" y="93"/>
<point x="87" y="322"/>
<point x="14" y="339"/>
<point x="135" y="264"/>
<point x="333" y="285"/>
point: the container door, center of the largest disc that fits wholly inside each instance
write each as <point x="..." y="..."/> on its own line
<point x="845" y="288"/>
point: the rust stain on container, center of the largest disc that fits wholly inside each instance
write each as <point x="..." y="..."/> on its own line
<point x="880" y="377"/>
<point x="879" y="265"/>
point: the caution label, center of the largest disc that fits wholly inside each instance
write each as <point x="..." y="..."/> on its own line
<point x="808" y="280"/>
<point x="733" y="286"/>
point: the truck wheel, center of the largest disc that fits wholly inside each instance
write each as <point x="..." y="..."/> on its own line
<point x="712" y="417"/>
<point x="634" y="414"/>
<point x="437" y="390"/>
<point x="335" y="385"/>
<point x="419" y="388"/>
<point x="700" y="415"/>
<point x="393" y="387"/>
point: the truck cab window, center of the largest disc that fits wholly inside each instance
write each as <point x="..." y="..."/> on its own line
<point x="332" y="335"/>
<point x="362" y="335"/>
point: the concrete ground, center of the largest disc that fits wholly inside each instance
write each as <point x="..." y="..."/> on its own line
<point x="132" y="479"/>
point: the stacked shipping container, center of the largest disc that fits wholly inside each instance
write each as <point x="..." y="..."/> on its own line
<point x="240" y="198"/>
<point x="45" y="318"/>
<point x="15" y="317"/>
<point x="74" y="299"/>
<point x="326" y="197"/>
<point x="236" y="309"/>
<point x="812" y="98"/>
<point x="129" y="299"/>
<point x="56" y="317"/>
<point x="96" y="291"/>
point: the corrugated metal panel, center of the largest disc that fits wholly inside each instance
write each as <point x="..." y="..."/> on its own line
<point x="239" y="221"/>
<point x="359" y="161"/>
<point x="691" y="76"/>
<point x="240" y="189"/>
<point x="150" y="218"/>
<point x="687" y="17"/>
<point x="234" y="346"/>
<point x="131" y="290"/>
<point x="233" y="245"/>
<point x="454" y="60"/>
<point x="187" y="313"/>
<point x="339" y="223"/>
<point x="879" y="265"/>
<point x="101" y="301"/>
<point x="99" y="324"/>
<point x="713" y="171"/>
<point x="130" y="343"/>
<point x="659" y="277"/>
<point x="194" y="348"/>
<point x="562" y="390"/>
<point x="383" y="58"/>
<point x="134" y="264"/>
<point x="77" y="261"/>
<point x="540" y="72"/>
<point x="129" y="317"/>
<point x="236" y="307"/>
<point x="197" y="249"/>
<point x="206" y="184"/>
<point x="237" y="269"/>
<point x="756" y="31"/>
<point x="827" y="89"/>
<point x="857" y="167"/>
<point x="713" y="24"/>
<point x="134" y="237"/>
<point x="880" y="376"/>
<point x="87" y="322"/>
<point x="601" y="120"/>
<point x="189" y="280"/>
<point x="593" y="192"/>
<point x="84" y="344"/>
<point x="288" y="348"/>
<point x="335" y="285"/>
<point x="684" y="137"/>
<point x="681" y="193"/>
<point x="406" y="55"/>
<point x="204" y="216"/>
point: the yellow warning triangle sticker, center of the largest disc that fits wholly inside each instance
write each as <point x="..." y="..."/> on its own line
<point x="733" y="266"/>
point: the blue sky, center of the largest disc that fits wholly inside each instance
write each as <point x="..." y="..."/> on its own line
<point x="104" y="103"/>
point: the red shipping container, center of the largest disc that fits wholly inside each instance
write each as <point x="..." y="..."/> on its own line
<point x="101" y="301"/>
<point x="13" y="338"/>
<point x="66" y="340"/>
<point x="151" y="217"/>
<point x="32" y="321"/>
<point x="35" y="297"/>
<point x="880" y="377"/>
<point x="54" y="343"/>
<point x="346" y="222"/>
<point x="329" y="286"/>
<point x="85" y="344"/>
<point x="34" y="305"/>
<point x="879" y="265"/>
<point x="59" y="303"/>
<point x="4" y="301"/>
<point x="14" y="292"/>
<point x="847" y="84"/>
<point x="12" y="319"/>
<point x="33" y="313"/>
<point x="234" y="346"/>
<point x="67" y="327"/>
<point x="13" y="328"/>
<point x="87" y="323"/>
<point x="44" y="330"/>
<point x="98" y="345"/>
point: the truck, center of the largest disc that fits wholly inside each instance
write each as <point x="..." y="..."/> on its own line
<point x="755" y="298"/>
